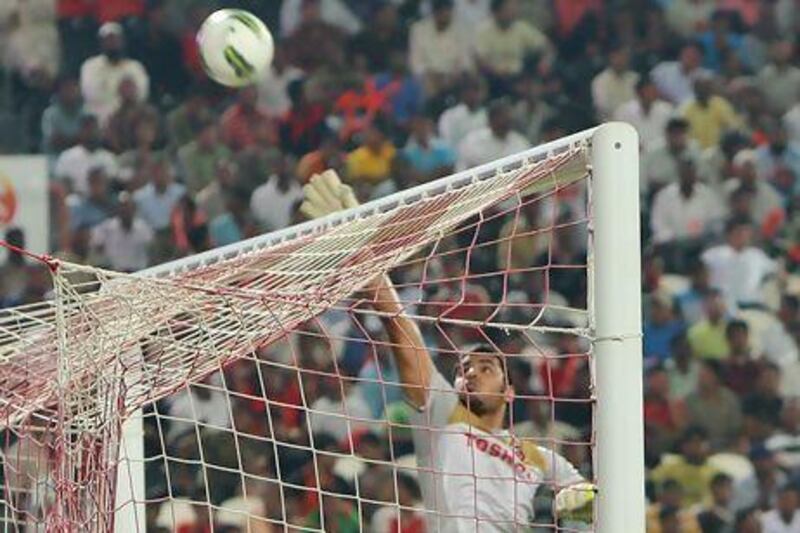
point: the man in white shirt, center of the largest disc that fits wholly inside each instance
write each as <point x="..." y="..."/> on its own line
<point x="647" y="113"/>
<point x="675" y="79"/>
<point x="683" y="215"/>
<point x="458" y="121"/>
<point x="474" y="473"/>
<point x="74" y="164"/>
<point x="615" y="84"/>
<point x="496" y="141"/>
<point x="785" y="518"/>
<point x="737" y="268"/>
<point x="102" y="74"/>
<point x="440" y="50"/>
<point x="334" y="12"/>
<point x="273" y="203"/>
<point x="660" y="163"/>
<point x="779" y="81"/>
<point x="155" y="201"/>
<point x="765" y="203"/>
<point x="124" y="240"/>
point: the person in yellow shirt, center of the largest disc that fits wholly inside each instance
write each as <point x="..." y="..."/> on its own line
<point x="708" y="337"/>
<point x="690" y="469"/>
<point x="505" y="42"/>
<point x="709" y="115"/>
<point x="371" y="162"/>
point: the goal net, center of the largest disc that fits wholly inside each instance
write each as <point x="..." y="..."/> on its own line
<point x="255" y="387"/>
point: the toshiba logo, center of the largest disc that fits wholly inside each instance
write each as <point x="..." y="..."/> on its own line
<point x="513" y="458"/>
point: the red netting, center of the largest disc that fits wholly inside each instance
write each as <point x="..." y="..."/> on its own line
<point x="269" y="386"/>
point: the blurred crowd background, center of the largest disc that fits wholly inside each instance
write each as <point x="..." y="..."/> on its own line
<point x="148" y="161"/>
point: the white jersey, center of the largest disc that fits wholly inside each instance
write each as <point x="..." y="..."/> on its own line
<point x="474" y="480"/>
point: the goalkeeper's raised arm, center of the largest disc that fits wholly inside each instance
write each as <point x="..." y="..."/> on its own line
<point x="471" y="466"/>
<point x="326" y="194"/>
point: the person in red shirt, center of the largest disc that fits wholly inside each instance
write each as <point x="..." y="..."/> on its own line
<point x="241" y="121"/>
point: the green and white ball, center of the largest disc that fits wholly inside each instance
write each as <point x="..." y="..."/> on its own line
<point x="235" y="46"/>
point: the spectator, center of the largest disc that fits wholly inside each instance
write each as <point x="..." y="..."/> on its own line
<point x="101" y="75"/>
<point x="661" y="162"/>
<point x="31" y="44"/>
<point x="89" y="211"/>
<point x="531" y="112"/>
<point x="429" y="157"/>
<point x="714" y="407"/>
<point x="440" y="51"/>
<point x="403" y="92"/>
<point x="236" y="222"/>
<point x="740" y="368"/>
<point x="748" y="521"/>
<point x="121" y="127"/>
<point x="274" y="202"/>
<point x="675" y="79"/>
<point x="505" y="43"/>
<point x="737" y="268"/>
<point x="660" y="328"/>
<point x="778" y="153"/>
<point x="721" y="41"/>
<point x="684" y="215"/>
<point x="716" y="163"/>
<point x="664" y="416"/>
<point x="198" y="160"/>
<point x="791" y="122"/>
<point x="61" y="121"/>
<point x="682" y="368"/>
<point x="708" y="337"/>
<point x="785" y="517"/>
<point x="780" y="79"/>
<point x="333" y="12"/>
<point x="688" y="17"/>
<point x="316" y="42"/>
<point x="615" y="85"/>
<point x="123" y="242"/>
<point x="211" y="199"/>
<point x="690" y="469"/>
<point x="159" y="51"/>
<point x="73" y="165"/>
<point x="302" y="127"/>
<point x="708" y="115"/>
<point x="241" y="120"/>
<point x="718" y="517"/>
<point x="259" y="160"/>
<point x="760" y="489"/>
<point x="188" y="118"/>
<point x="491" y="143"/>
<point x="690" y="303"/>
<point x="765" y="204"/>
<point x="469" y="115"/>
<point x="273" y="88"/>
<point x="647" y="113"/>
<point x="155" y="201"/>
<point x="665" y="515"/>
<point x="133" y="163"/>
<point x="371" y="162"/>
<point x="381" y="38"/>
<point x="329" y="155"/>
<point x="197" y="403"/>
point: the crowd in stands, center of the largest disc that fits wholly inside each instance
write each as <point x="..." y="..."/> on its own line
<point x="148" y="161"/>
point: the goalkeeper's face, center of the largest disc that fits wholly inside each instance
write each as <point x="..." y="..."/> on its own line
<point x="482" y="383"/>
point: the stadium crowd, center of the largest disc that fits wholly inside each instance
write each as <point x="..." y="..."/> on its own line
<point x="149" y="161"/>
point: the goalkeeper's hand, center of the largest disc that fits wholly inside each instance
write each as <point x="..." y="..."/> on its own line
<point x="575" y="498"/>
<point x="325" y="194"/>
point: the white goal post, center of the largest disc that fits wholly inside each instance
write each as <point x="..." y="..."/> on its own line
<point x="614" y="304"/>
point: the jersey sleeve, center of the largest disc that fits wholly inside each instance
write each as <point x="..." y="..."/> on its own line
<point x="440" y="404"/>
<point x="558" y="470"/>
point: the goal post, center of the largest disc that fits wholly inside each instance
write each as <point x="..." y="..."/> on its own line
<point x="164" y="328"/>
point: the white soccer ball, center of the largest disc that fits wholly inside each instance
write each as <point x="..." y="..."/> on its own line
<point x="235" y="46"/>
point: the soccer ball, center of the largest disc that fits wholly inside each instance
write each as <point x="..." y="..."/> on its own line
<point x="235" y="47"/>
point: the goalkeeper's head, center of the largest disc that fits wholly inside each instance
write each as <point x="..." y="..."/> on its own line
<point x="482" y="380"/>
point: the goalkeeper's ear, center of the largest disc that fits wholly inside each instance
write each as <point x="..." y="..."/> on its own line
<point x="325" y="194"/>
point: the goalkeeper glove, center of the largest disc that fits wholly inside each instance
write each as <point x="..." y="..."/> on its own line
<point x="325" y="194"/>
<point x="575" y="498"/>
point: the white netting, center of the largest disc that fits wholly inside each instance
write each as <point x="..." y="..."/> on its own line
<point x="267" y="382"/>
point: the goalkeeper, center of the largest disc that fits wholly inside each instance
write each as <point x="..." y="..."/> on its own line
<point x="473" y="473"/>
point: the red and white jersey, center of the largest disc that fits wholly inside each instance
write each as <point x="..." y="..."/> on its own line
<point x="475" y="480"/>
